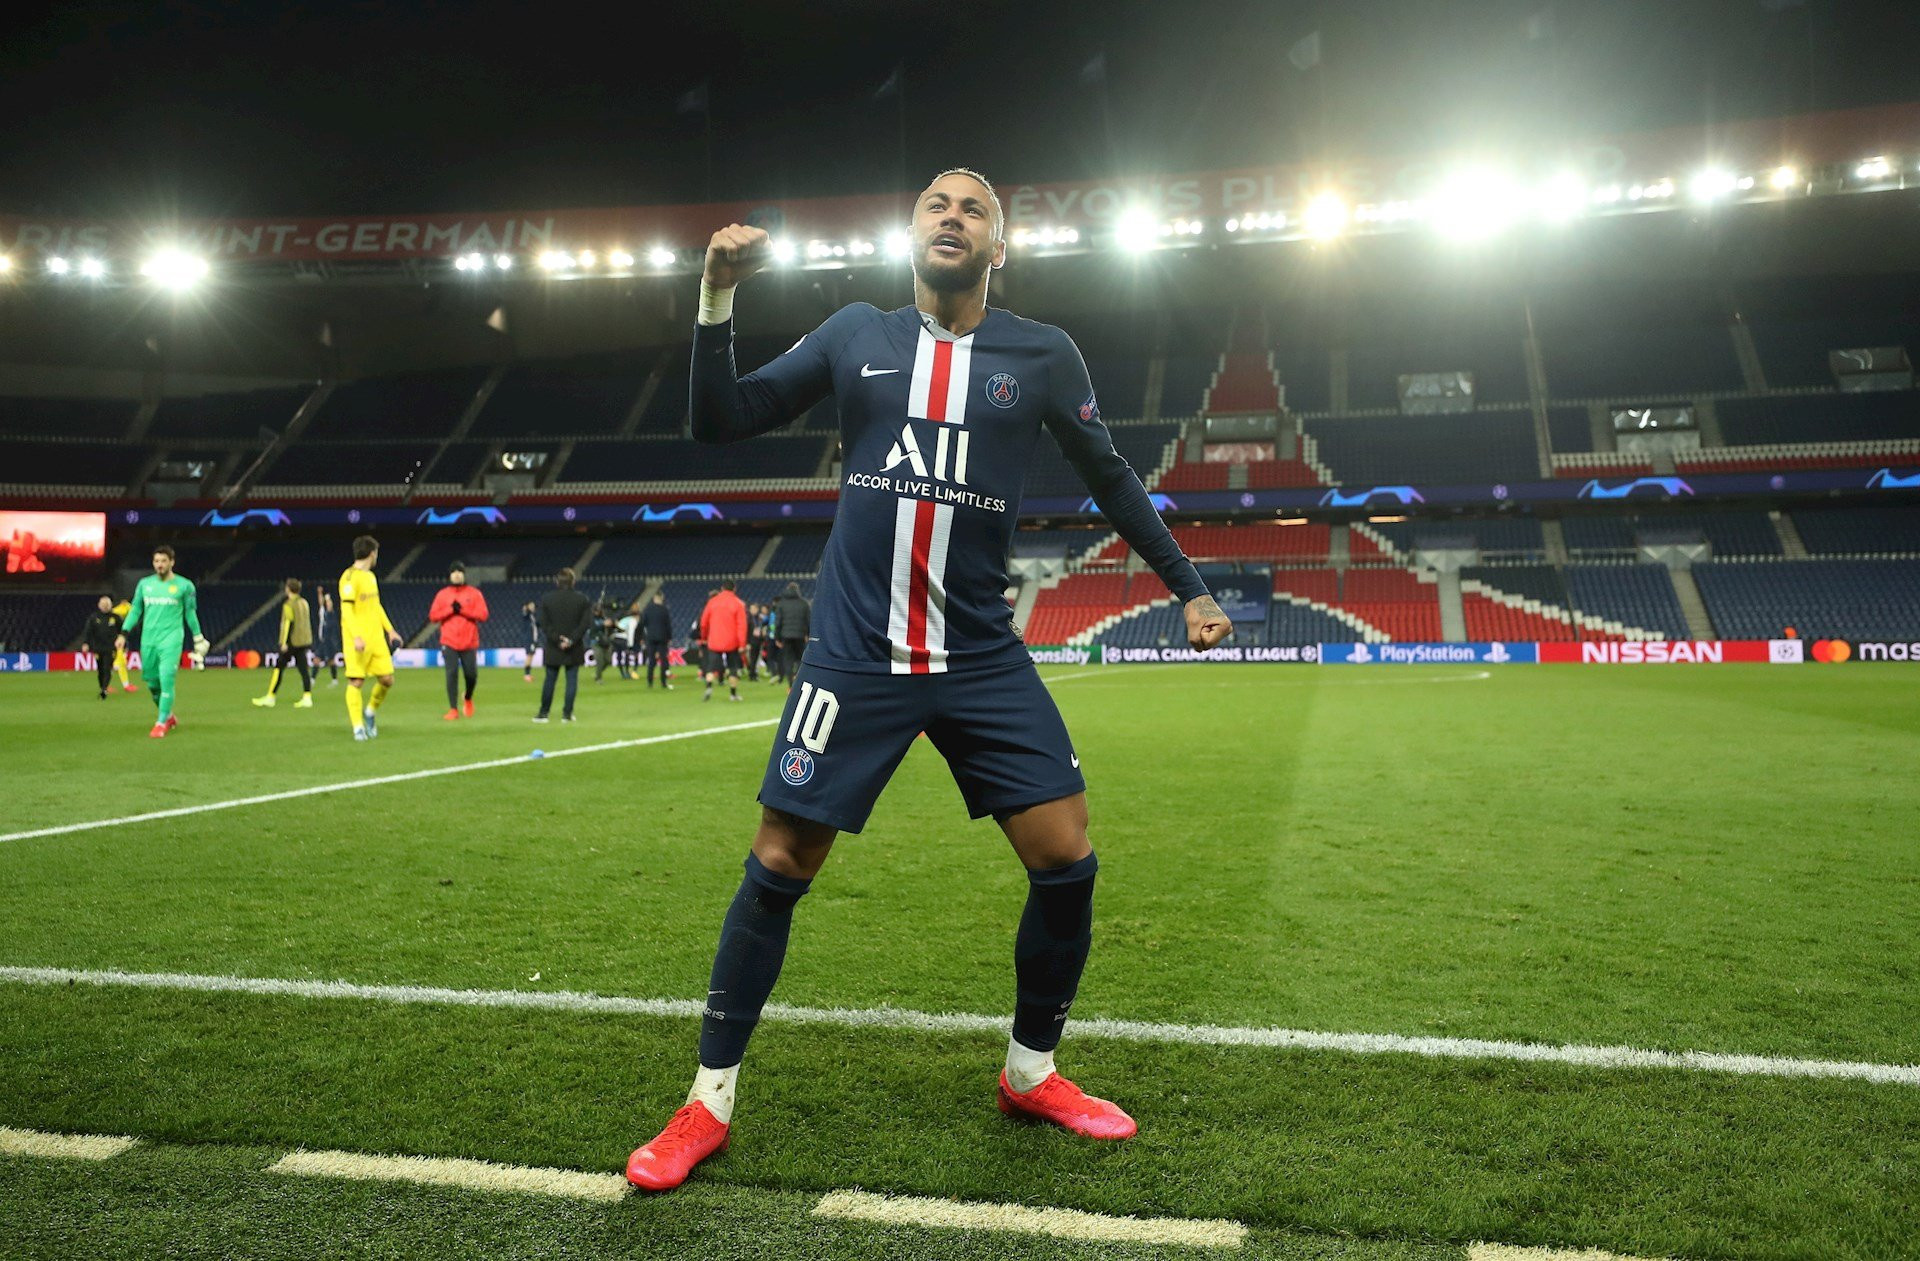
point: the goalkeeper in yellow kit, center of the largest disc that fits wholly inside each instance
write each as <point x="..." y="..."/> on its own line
<point x="366" y="635"/>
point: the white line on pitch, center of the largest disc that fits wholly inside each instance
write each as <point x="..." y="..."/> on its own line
<point x="62" y="1146"/>
<point x="1511" y="1252"/>
<point x="1061" y="1223"/>
<point x="1574" y="1054"/>
<point x="476" y="1175"/>
<point x="321" y="789"/>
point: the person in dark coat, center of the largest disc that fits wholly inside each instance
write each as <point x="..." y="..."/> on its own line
<point x="793" y="621"/>
<point x="566" y="616"/>
<point x="103" y="627"/>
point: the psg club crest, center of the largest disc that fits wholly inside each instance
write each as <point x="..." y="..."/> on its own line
<point x="796" y="766"/>
<point x="1089" y="409"/>
<point x="1002" y="389"/>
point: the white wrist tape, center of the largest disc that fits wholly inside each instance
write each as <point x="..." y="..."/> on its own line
<point x="716" y="305"/>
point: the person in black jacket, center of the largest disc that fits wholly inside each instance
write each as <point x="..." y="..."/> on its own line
<point x="792" y="622"/>
<point x="102" y="628"/>
<point x="566" y="616"/>
<point x="656" y="636"/>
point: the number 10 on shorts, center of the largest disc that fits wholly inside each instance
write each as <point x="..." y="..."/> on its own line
<point x="813" y="718"/>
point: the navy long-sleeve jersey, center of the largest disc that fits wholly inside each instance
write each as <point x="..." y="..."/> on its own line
<point x="937" y="433"/>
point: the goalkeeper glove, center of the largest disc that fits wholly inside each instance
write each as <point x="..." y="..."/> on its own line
<point x="200" y="646"/>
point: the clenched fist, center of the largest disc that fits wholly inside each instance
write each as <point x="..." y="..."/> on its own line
<point x="736" y="252"/>
<point x="1207" y="626"/>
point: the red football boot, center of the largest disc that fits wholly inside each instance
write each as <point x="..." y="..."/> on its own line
<point x="691" y="1137"/>
<point x="1058" y="1101"/>
<point x="159" y="731"/>
<point x="469" y="707"/>
<point x="173" y="720"/>
<point x="451" y="715"/>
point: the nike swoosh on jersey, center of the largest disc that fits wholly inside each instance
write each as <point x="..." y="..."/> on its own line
<point x="868" y="370"/>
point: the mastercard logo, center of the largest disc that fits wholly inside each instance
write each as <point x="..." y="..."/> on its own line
<point x="247" y="659"/>
<point x="1832" y="650"/>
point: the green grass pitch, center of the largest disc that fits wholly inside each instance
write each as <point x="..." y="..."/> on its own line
<point x="1714" y="859"/>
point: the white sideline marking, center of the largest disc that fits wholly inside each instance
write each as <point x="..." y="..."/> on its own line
<point x="321" y="789"/>
<point x="1061" y="1223"/>
<point x="475" y="1175"/>
<point x="1511" y="1252"/>
<point x="1578" y="1055"/>
<point x="1051" y="679"/>
<point x="62" y="1146"/>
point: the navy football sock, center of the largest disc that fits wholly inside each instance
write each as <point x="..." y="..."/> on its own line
<point x="1050" y="950"/>
<point x="753" y="945"/>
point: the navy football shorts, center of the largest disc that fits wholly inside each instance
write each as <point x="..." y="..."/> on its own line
<point x="842" y="735"/>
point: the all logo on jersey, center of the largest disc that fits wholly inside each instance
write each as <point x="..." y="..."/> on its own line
<point x="949" y="454"/>
<point x="1002" y="389"/>
<point x="796" y="766"/>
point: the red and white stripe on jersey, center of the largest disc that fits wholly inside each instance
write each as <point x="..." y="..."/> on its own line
<point x="917" y="614"/>
<point x="941" y="367"/>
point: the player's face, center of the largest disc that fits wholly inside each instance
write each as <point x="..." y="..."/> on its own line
<point x="162" y="564"/>
<point x="955" y="235"/>
<point x="105" y="604"/>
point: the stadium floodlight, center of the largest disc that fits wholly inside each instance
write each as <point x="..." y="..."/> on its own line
<point x="587" y="258"/>
<point x="59" y="266"/>
<point x="92" y="268"/>
<point x="1068" y="236"/>
<point x="620" y="258"/>
<point x="783" y="251"/>
<point x="1712" y="184"/>
<point x="818" y="249"/>
<point x="1875" y="168"/>
<point x="1325" y="217"/>
<point x="859" y="248"/>
<point x="1472" y="205"/>
<point x="175" y="270"/>
<point x="503" y="261"/>
<point x="659" y="256"/>
<point x="6" y="264"/>
<point x="1607" y="194"/>
<point x="1783" y="178"/>
<point x="1660" y="189"/>
<point x="1562" y="197"/>
<point x="1232" y="225"/>
<point x="1135" y="232"/>
<point x="555" y="260"/>
<point x="898" y="245"/>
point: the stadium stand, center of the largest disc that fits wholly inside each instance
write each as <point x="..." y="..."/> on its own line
<point x="383" y="464"/>
<point x="1848" y="599"/>
<point x="564" y="397"/>
<point x="1859" y="531"/>
<point x="1476" y="447"/>
<point x="683" y="461"/>
<point x="640" y="557"/>
<point x="1626" y="344"/>
<point x="40" y="622"/>
<point x="1632" y="595"/>
<point x="1776" y="420"/>
<point x="66" y="417"/>
<point x="227" y="415"/>
<point x="413" y="405"/>
<point x="74" y="463"/>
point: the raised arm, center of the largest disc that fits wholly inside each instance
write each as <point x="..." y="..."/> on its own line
<point x="1073" y="416"/>
<point x="722" y="405"/>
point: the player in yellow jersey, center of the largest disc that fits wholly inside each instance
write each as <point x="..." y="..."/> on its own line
<point x="120" y="611"/>
<point x="366" y="636"/>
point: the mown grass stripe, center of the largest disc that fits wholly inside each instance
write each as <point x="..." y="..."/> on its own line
<point x="62" y="1146"/>
<point x="1573" y="1054"/>
<point x="1511" y="1252"/>
<point x="519" y="759"/>
<point x="473" y="1175"/>
<point x="1060" y="1223"/>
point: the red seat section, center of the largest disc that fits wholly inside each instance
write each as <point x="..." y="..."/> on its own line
<point x="1243" y="383"/>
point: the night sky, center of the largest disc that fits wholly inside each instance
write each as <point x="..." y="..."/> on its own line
<point x="261" y="107"/>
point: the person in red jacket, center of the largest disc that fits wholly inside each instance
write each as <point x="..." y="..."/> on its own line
<point x="458" y="610"/>
<point x="723" y="628"/>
